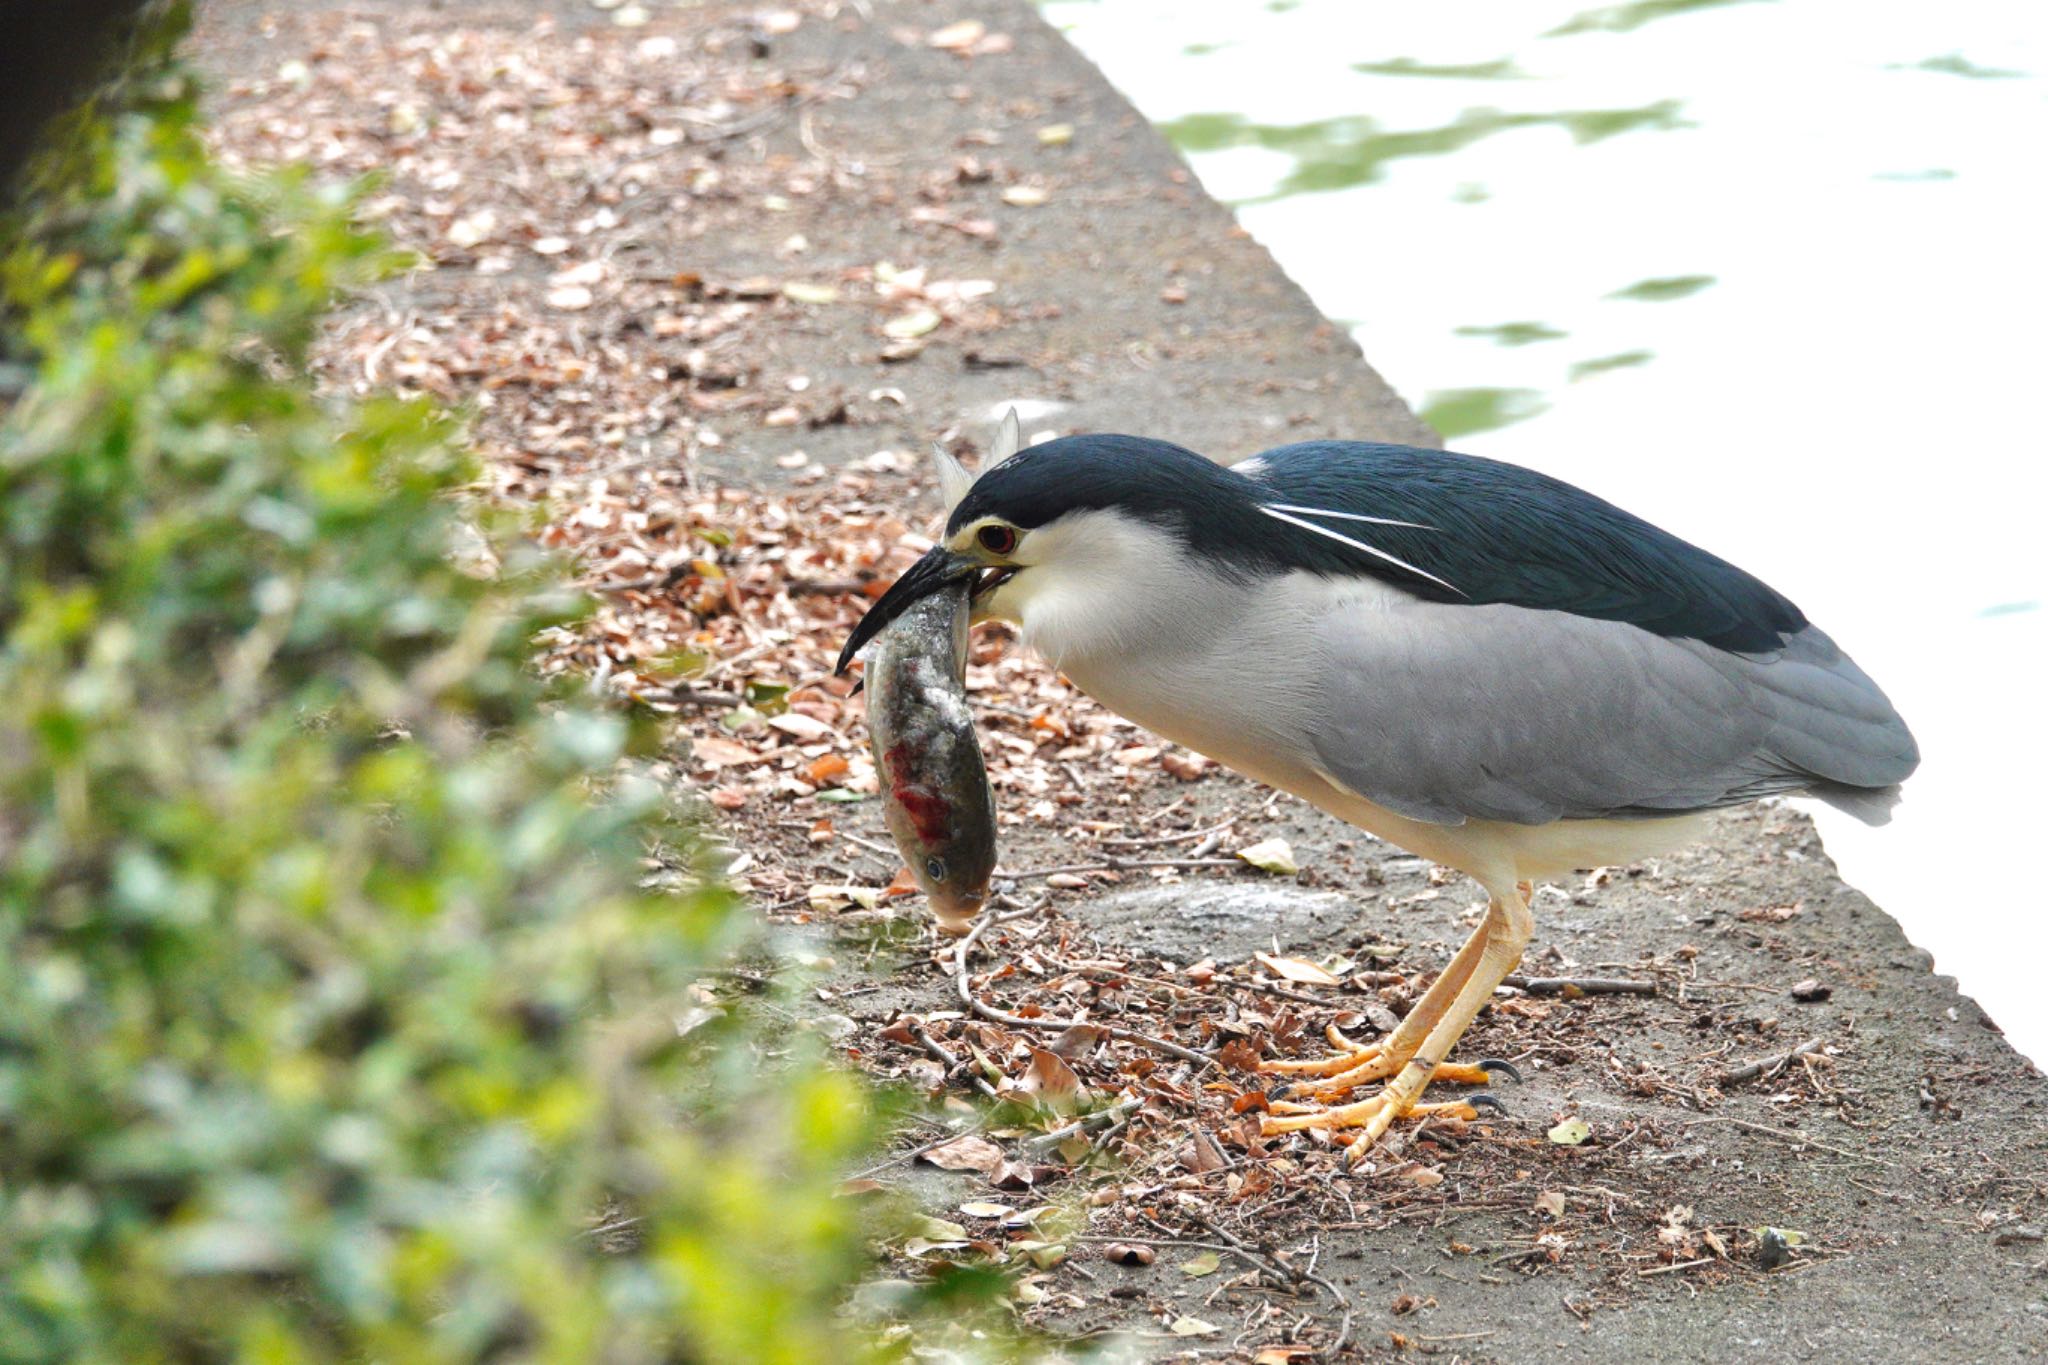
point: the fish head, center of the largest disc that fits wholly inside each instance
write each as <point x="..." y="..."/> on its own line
<point x="950" y="855"/>
<point x="954" y="907"/>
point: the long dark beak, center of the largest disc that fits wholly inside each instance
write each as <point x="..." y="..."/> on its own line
<point x="939" y="567"/>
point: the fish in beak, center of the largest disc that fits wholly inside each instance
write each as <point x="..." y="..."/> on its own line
<point x="939" y="568"/>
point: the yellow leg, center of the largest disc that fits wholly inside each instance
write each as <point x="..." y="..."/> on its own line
<point x="1506" y="933"/>
<point x="1353" y="1065"/>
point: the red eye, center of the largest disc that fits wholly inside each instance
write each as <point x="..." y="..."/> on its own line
<point x="997" y="540"/>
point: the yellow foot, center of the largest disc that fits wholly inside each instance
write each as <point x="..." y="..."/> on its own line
<point x="1375" y="1115"/>
<point x="1354" y="1064"/>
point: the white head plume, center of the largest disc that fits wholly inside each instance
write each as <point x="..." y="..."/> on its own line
<point x="1009" y="440"/>
<point x="955" y="480"/>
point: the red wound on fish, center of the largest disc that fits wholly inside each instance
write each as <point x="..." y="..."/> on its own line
<point x="929" y="811"/>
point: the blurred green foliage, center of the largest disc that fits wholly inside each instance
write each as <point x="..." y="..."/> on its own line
<point x="333" y="1012"/>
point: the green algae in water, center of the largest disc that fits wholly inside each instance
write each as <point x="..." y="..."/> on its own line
<point x="1344" y="152"/>
<point x="1625" y="360"/>
<point x="1514" y="333"/>
<point x="1955" y="64"/>
<point x="1502" y="70"/>
<point x="1628" y="18"/>
<point x="1664" y="290"/>
<point x="1461" y="412"/>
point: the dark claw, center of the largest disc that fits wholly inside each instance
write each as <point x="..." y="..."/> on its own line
<point x="1494" y="1066"/>
<point x="1487" y="1100"/>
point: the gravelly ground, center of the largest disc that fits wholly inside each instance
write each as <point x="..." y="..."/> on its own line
<point x="614" y="217"/>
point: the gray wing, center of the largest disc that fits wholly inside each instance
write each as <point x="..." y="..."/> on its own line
<point x="1445" y="713"/>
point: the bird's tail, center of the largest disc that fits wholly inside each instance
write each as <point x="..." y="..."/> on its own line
<point x="1871" y="805"/>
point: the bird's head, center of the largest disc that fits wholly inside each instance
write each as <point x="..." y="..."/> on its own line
<point x="1071" y="529"/>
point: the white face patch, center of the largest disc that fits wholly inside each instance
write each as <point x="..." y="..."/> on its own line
<point x="1101" y="580"/>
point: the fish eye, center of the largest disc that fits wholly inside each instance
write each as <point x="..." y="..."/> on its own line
<point x="935" y="868"/>
<point x="997" y="539"/>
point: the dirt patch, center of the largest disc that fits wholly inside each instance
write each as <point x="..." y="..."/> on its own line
<point x="709" y="282"/>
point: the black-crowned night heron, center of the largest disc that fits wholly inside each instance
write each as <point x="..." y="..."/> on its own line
<point x="1483" y="665"/>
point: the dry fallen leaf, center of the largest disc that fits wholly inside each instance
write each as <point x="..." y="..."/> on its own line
<point x="1206" y="1263"/>
<point x="827" y="899"/>
<point x="965" y="1153"/>
<point x="806" y="728"/>
<point x="586" y="273"/>
<point x="909" y="326"/>
<point x="1192" y="1327"/>
<point x="1571" y="1132"/>
<point x="940" y="1229"/>
<point x="1050" y="1083"/>
<point x="823" y="770"/>
<point x="1550" y="1202"/>
<point x="958" y="37"/>
<point x="1045" y="1255"/>
<point x="1271" y="855"/>
<point x="712" y="752"/>
<point x="1204" y="1155"/>
<point x="1077" y="1042"/>
<point x="1770" y="914"/>
<point x="1296" y="969"/>
<point x="1025" y="196"/>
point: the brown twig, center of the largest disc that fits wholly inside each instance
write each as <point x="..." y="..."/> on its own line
<point x="952" y="1064"/>
<point x="1120" y="865"/>
<point x="1182" y="838"/>
<point x="909" y="1153"/>
<point x="1668" y="1269"/>
<point x="1284" y="993"/>
<point x="1768" y="1066"/>
<point x="1284" y="1276"/>
<point x="1269" y="1261"/>
<point x="1112" y="1116"/>
<point x="686" y="696"/>
<point x="1788" y="1135"/>
<point x="1587" y="985"/>
<point x="965" y="951"/>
